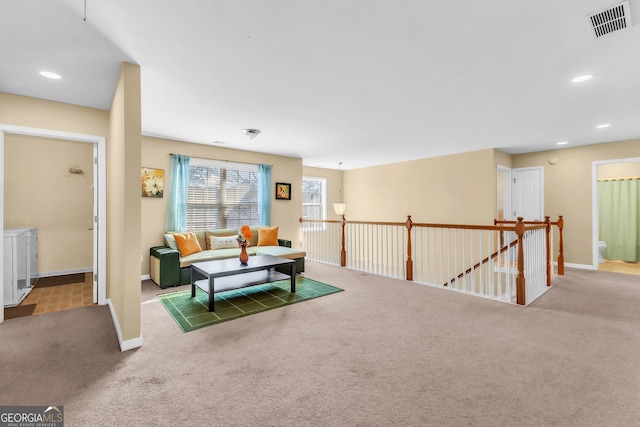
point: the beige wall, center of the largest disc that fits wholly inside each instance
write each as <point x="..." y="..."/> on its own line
<point x="39" y="113"/>
<point x="123" y="202"/>
<point x="41" y="192"/>
<point x="502" y="159"/>
<point x="568" y="189"/>
<point x="619" y="170"/>
<point x="156" y="154"/>
<point x="458" y="189"/>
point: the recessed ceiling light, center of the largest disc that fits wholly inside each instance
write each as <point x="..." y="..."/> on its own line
<point x="50" y="75"/>
<point x="562" y="143"/>
<point x="604" y="125"/>
<point x="251" y="133"/>
<point x="583" y="78"/>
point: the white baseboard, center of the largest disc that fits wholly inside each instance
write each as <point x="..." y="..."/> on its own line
<point x="128" y="344"/>
<point x="579" y="266"/>
<point x="65" y="272"/>
<point x="131" y="344"/>
<point x="145" y="277"/>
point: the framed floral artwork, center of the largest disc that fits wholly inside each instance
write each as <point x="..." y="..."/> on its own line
<point x="152" y="182"/>
<point x="283" y="191"/>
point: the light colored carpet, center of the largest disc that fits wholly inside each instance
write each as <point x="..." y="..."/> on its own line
<point x="383" y="353"/>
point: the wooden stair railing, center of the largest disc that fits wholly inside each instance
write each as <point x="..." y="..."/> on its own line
<point x="519" y="227"/>
<point x="484" y="261"/>
<point x="343" y="251"/>
<point x="560" y="224"/>
<point x="409" y="266"/>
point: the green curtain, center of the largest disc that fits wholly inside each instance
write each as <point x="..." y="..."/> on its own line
<point x="619" y="216"/>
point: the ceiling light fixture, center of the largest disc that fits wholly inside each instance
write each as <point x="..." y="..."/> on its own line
<point x="251" y="133"/>
<point x="604" y="125"/>
<point x="562" y="143"/>
<point x="50" y="75"/>
<point x="581" y="79"/>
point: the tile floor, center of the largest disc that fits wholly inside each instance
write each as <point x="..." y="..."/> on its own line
<point x="62" y="297"/>
<point x="620" y="267"/>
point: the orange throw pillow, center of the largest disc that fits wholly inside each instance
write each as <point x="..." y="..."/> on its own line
<point x="268" y="236"/>
<point x="187" y="243"/>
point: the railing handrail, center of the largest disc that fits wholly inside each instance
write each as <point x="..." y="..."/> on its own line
<point x="531" y="225"/>
<point x="351" y="222"/>
<point x="322" y="221"/>
<point x="513" y="221"/>
<point x="559" y="222"/>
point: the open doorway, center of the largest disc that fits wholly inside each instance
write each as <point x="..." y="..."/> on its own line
<point x="93" y="177"/>
<point x="616" y="215"/>
<point x="503" y="193"/>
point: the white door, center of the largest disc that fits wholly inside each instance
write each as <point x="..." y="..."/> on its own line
<point x="527" y="193"/>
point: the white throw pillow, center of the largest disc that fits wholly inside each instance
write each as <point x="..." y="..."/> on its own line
<point x="170" y="241"/>
<point x="226" y="242"/>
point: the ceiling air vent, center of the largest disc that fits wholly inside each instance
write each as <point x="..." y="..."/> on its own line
<point x="615" y="18"/>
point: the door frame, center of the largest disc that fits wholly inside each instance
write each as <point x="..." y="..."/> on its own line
<point x="99" y="182"/>
<point x="506" y="192"/>
<point x="595" y="214"/>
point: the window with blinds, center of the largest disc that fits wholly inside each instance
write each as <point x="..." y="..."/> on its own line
<point x="314" y="199"/>
<point x="222" y="195"/>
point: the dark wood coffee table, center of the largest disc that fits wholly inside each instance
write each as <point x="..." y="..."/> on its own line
<point x="225" y="274"/>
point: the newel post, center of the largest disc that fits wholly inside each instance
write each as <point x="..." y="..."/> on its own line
<point x="520" y="281"/>
<point x="343" y="252"/>
<point x="409" y="267"/>
<point x="561" y="245"/>
<point x="547" y="221"/>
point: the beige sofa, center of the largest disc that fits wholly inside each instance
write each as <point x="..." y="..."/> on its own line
<point x="168" y="268"/>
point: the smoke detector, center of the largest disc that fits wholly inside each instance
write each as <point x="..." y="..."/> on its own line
<point x="614" y="18"/>
<point x="251" y="133"/>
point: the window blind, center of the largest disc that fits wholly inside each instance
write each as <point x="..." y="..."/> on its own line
<point x="222" y="195"/>
<point x="313" y="198"/>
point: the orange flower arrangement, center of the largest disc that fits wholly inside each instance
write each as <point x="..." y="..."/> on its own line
<point x="244" y="234"/>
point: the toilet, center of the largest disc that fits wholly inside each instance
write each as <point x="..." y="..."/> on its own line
<point x="601" y="247"/>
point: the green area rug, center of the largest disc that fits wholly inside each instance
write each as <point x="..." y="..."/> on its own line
<point x="192" y="313"/>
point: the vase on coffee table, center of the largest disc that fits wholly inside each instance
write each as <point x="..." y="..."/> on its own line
<point x="244" y="256"/>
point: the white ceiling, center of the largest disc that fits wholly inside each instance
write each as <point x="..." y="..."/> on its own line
<point x="363" y="82"/>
